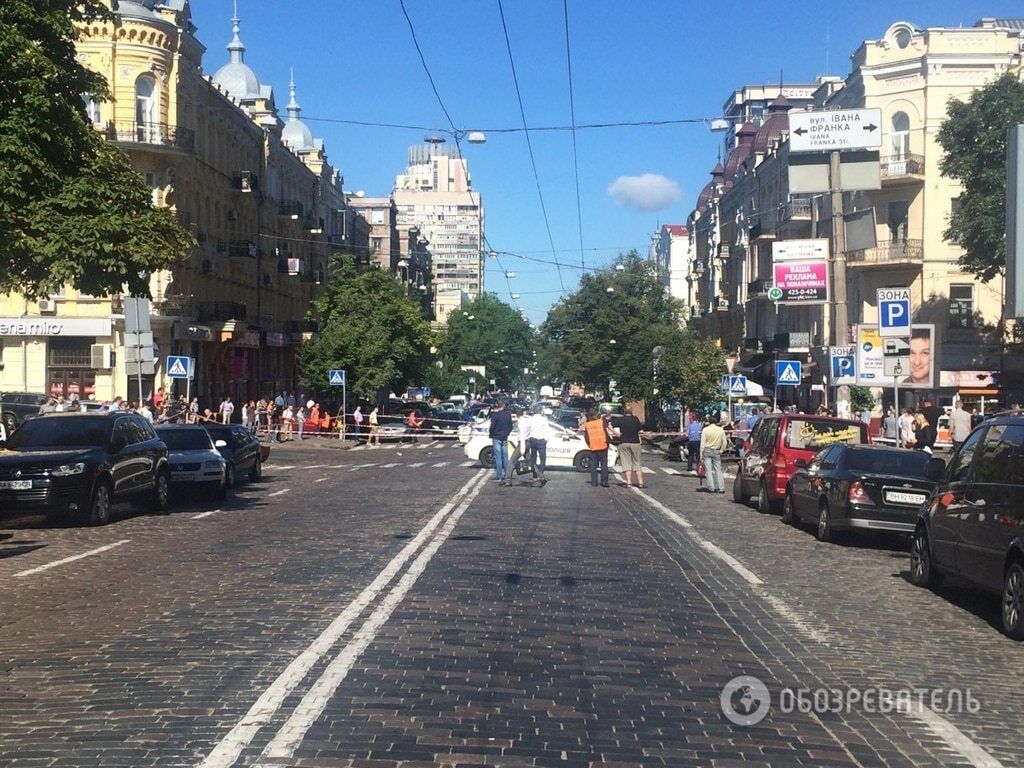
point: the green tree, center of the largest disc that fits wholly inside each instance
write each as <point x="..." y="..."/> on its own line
<point x="72" y="208"/>
<point x="370" y="328"/>
<point x="496" y="338"/>
<point x="861" y="398"/>
<point x="445" y="378"/>
<point x="609" y="330"/>
<point x="973" y="137"/>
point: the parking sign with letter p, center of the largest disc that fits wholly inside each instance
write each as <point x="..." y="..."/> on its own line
<point x="893" y="311"/>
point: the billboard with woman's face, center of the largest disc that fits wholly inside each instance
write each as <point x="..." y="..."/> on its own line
<point x="922" y="358"/>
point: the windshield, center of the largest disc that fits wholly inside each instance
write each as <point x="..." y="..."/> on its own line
<point x="217" y="433"/>
<point x="185" y="439"/>
<point x="49" y="432"/>
<point x="813" y="435"/>
<point x="902" y="463"/>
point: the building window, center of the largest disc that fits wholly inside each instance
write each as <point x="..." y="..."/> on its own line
<point x="378" y="243"/>
<point x="898" y="211"/>
<point x="92" y="108"/>
<point x="954" y="205"/>
<point x="899" y="136"/>
<point x="961" y="306"/>
<point x="145" y="107"/>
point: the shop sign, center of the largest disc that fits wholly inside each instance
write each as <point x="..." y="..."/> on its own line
<point x="40" y="326"/>
<point x="801" y="282"/>
<point x="192" y="331"/>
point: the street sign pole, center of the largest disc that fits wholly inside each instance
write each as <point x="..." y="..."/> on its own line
<point x="344" y="407"/>
<point x="896" y="373"/>
<point x="138" y="346"/>
<point x="840" y="325"/>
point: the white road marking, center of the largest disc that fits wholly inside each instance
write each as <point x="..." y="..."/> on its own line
<point x="313" y="704"/>
<point x="389" y="466"/>
<point x="363" y="466"/>
<point x="319" y="479"/>
<point x="955" y="738"/>
<point x="287" y="466"/>
<point x="467" y="464"/>
<point x="418" y="464"/>
<point x="441" y="464"/>
<point x="55" y="563"/>
<point x="270" y="701"/>
<point x="793" y="618"/>
<point x="278" y="493"/>
<point x="669" y="471"/>
<point x="205" y="514"/>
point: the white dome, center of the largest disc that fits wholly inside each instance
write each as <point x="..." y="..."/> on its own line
<point x="236" y="77"/>
<point x="296" y="134"/>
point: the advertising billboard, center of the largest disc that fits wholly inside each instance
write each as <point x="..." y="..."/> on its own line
<point x="922" y="358"/>
<point x="871" y="358"/>
<point x="802" y="282"/>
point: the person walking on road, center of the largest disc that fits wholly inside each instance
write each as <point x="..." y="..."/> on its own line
<point x="540" y="431"/>
<point x="226" y="409"/>
<point x="712" y="442"/>
<point x="924" y="433"/>
<point x="693" y="430"/>
<point x="959" y="424"/>
<point x="374" y="436"/>
<point x="357" y="421"/>
<point x="595" y="432"/>
<point x="523" y="428"/>
<point x="629" y="449"/>
<point x="499" y="430"/>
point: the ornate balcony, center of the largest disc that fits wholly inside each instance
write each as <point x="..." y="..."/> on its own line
<point x="888" y="253"/>
<point x="799" y="208"/>
<point x="902" y="167"/>
<point x="160" y="135"/>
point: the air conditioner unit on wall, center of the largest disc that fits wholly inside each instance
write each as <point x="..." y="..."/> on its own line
<point x="101" y="355"/>
<point x="47" y="306"/>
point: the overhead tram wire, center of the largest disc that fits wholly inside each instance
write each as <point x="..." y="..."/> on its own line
<point x="572" y="116"/>
<point x="457" y="136"/>
<point x="521" y="129"/>
<point x="529" y="144"/>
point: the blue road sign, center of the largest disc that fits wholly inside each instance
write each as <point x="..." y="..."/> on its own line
<point x="336" y="378"/>
<point x="178" y="367"/>
<point x="844" y="369"/>
<point x="893" y="311"/>
<point x="737" y="386"/>
<point x="788" y="373"/>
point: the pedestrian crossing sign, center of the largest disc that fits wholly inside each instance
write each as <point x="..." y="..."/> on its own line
<point x="737" y="386"/>
<point x="336" y="378"/>
<point x="788" y="372"/>
<point x="178" y="367"/>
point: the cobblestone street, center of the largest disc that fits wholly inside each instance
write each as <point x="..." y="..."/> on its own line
<point x="396" y="607"/>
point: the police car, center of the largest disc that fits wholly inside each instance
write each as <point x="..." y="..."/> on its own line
<point x="565" y="449"/>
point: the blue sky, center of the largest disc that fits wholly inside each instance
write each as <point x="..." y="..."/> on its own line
<point x="631" y="61"/>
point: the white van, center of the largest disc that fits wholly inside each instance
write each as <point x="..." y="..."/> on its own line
<point x="459" y="400"/>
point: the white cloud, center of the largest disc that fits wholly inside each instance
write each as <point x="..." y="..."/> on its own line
<point x="646" y="192"/>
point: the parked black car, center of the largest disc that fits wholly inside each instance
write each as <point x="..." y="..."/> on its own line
<point x="15" y="407"/>
<point x="241" y="450"/>
<point x="81" y="463"/>
<point x="973" y="524"/>
<point x="858" y="487"/>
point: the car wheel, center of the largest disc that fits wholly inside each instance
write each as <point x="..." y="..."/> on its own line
<point x="487" y="457"/>
<point x="922" y="573"/>
<point x="161" y="492"/>
<point x="583" y="461"/>
<point x="99" y="505"/>
<point x="764" y="504"/>
<point x="737" y="489"/>
<point x="229" y="475"/>
<point x="1013" y="601"/>
<point x="788" y="511"/>
<point x="824" y="531"/>
<point x="256" y="473"/>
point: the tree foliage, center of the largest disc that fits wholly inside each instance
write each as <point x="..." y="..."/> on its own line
<point x="609" y="330"/>
<point x="974" y="139"/>
<point x="861" y="398"/>
<point x="370" y="328"/>
<point x="496" y="338"/>
<point x="72" y="208"/>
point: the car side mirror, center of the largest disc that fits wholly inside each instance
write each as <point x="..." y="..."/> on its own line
<point x="220" y="444"/>
<point x="800" y="464"/>
<point x="935" y="470"/>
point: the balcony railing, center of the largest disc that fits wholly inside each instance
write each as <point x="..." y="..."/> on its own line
<point x="796" y="209"/>
<point x="889" y="252"/>
<point x="174" y="306"/>
<point x="222" y="310"/>
<point x="151" y="134"/>
<point x="291" y="208"/>
<point x="896" y="166"/>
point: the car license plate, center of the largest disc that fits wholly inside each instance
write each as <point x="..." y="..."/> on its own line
<point x="904" y="497"/>
<point x="16" y="485"/>
<point x="181" y="476"/>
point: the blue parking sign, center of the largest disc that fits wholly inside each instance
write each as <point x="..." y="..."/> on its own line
<point x="893" y="312"/>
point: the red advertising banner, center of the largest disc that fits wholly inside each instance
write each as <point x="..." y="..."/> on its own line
<point x="802" y="282"/>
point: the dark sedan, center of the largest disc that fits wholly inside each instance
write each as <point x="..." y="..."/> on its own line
<point x="858" y="487"/>
<point x="241" y="450"/>
<point x="79" y="464"/>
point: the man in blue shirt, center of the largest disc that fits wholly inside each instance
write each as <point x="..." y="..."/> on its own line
<point x="499" y="430"/>
<point x="693" y="430"/>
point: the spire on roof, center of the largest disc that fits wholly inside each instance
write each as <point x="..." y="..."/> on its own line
<point x="236" y="47"/>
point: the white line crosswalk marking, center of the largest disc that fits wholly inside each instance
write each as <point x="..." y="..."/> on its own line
<point x="467" y="464"/>
<point x="441" y="464"/>
<point x="418" y="464"/>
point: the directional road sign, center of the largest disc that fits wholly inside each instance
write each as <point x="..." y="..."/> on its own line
<point x="893" y="312"/>
<point x="178" y="367"/>
<point x="788" y="373"/>
<point x="835" y="129"/>
<point x="844" y="365"/>
<point x="336" y="378"/>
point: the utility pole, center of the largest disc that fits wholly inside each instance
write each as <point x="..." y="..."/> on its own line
<point x="839" y="330"/>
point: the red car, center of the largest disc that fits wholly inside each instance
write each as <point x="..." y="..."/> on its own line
<point x="774" y="445"/>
